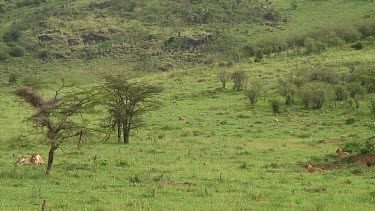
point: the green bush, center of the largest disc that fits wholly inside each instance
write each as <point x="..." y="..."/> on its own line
<point x="368" y="146"/>
<point x="224" y="77"/>
<point x="357" y="92"/>
<point x="341" y="92"/>
<point x="323" y="75"/>
<point x="253" y="92"/>
<point x="25" y="3"/>
<point x="2" y="8"/>
<point x="350" y="121"/>
<point x="352" y="147"/>
<point x="277" y="104"/>
<point x="17" y="51"/>
<point x="258" y="55"/>
<point x="363" y="147"/>
<point x="12" y="36"/>
<point x="44" y="54"/>
<point x="373" y="105"/>
<point x="349" y="34"/>
<point x="310" y="46"/>
<point x="358" y="45"/>
<point x="33" y="81"/>
<point x="367" y="27"/>
<point x="315" y="94"/>
<point x="13" y="78"/>
<point x="363" y="74"/>
<point x="287" y="89"/>
<point x="3" y="55"/>
<point x="239" y="78"/>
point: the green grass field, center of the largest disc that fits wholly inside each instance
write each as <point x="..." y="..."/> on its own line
<point x="226" y="154"/>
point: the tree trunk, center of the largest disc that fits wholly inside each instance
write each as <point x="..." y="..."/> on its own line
<point x="126" y="138"/>
<point x="126" y="132"/>
<point x="51" y="156"/>
<point x="118" y="132"/>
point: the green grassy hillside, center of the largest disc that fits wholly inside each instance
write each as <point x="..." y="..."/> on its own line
<point x="162" y="35"/>
<point x="226" y="154"/>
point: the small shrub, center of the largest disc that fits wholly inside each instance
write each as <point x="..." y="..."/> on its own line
<point x="123" y="163"/>
<point x="135" y="179"/>
<point x="239" y="78"/>
<point x="32" y="81"/>
<point x="357" y="171"/>
<point x="363" y="74"/>
<point x="243" y="165"/>
<point x="310" y="46"/>
<point x="368" y="146"/>
<point x="3" y="56"/>
<point x="304" y="135"/>
<point x="103" y="162"/>
<point x="12" y="36"/>
<point x="352" y="146"/>
<point x="17" y="51"/>
<point x="253" y="92"/>
<point x="358" y="45"/>
<point x="224" y="77"/>
<point x="349" y="34"/>
<point x="13" y="78"/>
<point x="2" y="8"/>
<point x="25" y="3"/>
<point x="276" y="105"/>
<point x="350" y="121"/>
<point x="361" y="147"/>
<point x="315" y="94"/>
<point x="161" y="135"/>
<point x="258" y="55"/>
<point x="44" y="54"/>
<point x="357" y="92"/>
<point x="373" y="105"/>
<point x="293" y="5"/>
<point x="323" y="75"/>
<point x="341" y="93"/>
<point x="288" y="90"/>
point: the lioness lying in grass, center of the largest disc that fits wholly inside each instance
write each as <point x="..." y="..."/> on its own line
<point x="34" y="159"/>
<point x="312" y="169"/>
<point x="341" y="153"/>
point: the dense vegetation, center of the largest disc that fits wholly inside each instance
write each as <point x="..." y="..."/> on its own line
<point x="253" y="91"/>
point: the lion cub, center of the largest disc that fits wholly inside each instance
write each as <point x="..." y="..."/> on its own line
<point x="312" y="169"/>
<point x="341" y="153"/>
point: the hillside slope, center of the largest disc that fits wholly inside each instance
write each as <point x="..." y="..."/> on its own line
<point x="161" y="35"/>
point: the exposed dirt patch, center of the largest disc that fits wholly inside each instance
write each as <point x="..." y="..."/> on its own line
<point x="170" y="183"/>
<point x="362" y="160"/>
<point x="95" y="37"/>
<point x="340" y="163"/>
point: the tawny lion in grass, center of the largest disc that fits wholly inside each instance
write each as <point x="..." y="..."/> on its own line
<point x="341" y="153"/>
<point x="312" y="169"/>
<point x="35" y="159"/>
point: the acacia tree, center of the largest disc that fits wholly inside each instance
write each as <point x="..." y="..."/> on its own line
<point x="239" y="78"/>
<point x="56" y="115"/>
<point x="253" y="92"/>
<point x="224" y="77"/>
<point x="125" y="102"/>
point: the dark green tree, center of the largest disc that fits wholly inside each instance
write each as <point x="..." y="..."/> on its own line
<point x="126" y="101"/>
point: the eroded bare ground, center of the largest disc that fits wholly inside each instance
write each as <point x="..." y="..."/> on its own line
<point x="170" y="183"/>
<point x="367" y="160"/>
